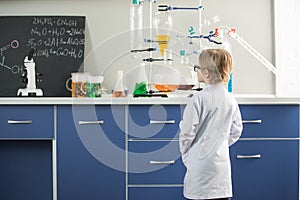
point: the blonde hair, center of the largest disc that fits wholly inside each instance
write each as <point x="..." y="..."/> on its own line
<point x="218" y="62"/>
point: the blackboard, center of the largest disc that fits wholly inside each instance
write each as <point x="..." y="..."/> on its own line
<point x="58" y="42"/>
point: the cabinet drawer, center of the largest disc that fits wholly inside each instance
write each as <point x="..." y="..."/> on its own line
<point x="26" y="122"/>
<point x="265" y="169"/>
<point x="154" y="121"/>
<point x="100" y="125"/>
<point x="151" y="193"/>
<point x="270" y="121"/>
<point x="155" y="162"/>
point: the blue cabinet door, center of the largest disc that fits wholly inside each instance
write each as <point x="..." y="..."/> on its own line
<point x="156" y="193"/>
<point x="90" y="152"/>
<point x="270" y="121"/>
<point x="25" y="170"/>
<point x="265" y="169"/>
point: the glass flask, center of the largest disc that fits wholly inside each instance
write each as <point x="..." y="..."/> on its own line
<point x="119" y="90"/>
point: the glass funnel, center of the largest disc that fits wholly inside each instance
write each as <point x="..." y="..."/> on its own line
<point x="162" y="22"/>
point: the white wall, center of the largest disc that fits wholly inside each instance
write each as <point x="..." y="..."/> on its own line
<point x="287" y="47"/>
<point x="107" y="34"/>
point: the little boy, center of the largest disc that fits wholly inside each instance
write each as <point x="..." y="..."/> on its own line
<point x="211" y="123"/>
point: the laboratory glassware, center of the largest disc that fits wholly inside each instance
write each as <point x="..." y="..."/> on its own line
<point x="93" y="85"/>
<point x="119" y="90"/>
<point x="136" y="24"/>
<point x="78" y="85"/>
<point x="162" y="22"/>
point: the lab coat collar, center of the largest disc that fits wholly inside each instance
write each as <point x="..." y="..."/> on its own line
<point x="215" y="85"/>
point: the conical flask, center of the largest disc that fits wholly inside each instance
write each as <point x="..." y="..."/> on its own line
<point x="163" y="23"/>
<point x="119" y="90"/>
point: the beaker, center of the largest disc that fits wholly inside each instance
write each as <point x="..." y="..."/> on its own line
<point x="93" y="86"/>
<point x="78" y="87"/>
<point x="165" y="78"/>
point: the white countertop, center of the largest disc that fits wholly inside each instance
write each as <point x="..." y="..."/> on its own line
<point x="173" y="98"/>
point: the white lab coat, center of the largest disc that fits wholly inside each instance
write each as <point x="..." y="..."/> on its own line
<point x="211" y="123"/>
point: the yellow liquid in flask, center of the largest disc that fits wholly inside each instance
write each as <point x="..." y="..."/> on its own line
<point x="163" y="41"/>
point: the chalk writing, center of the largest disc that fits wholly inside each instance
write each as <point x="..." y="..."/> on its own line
<point x="15" y="69"/>
<point x="74" y="53"/>
<point x="54" y="31"/>
<point x="53" y="41"/>
<point x="54" y="22"/>
<point x="56" y="37"/>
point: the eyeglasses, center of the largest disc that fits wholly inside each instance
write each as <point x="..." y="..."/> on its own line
<point x="196" y="68"/>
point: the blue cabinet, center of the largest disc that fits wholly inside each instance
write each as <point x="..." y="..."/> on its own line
<point x="155" y="162"/>
<point x="270" y="121"/>
<point x="155" y="168"/>
<point x="265" y="161"/>
<point x="27" y="122"/>
<point x="26" y="152"/>
<point x="154" y="121"/>
<point x="265" y="169"/>
<point x="131" y="152"/>
<point x="91" y="152"/>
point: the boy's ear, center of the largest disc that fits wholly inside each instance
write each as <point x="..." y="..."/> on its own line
<point x="206" y="73"/>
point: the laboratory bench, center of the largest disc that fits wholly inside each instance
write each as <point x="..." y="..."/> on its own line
<point x="173" y="98"/>
<point x="127" y="148"/>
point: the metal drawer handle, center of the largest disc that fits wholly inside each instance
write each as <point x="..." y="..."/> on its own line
<point x="248" y="157"/>
<point x="169" y="162"/>
<point x="19" y="122"/>
<point x="91" y="122"/>
<point x="162" y="122"/>
<point x="258" y="121"/>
